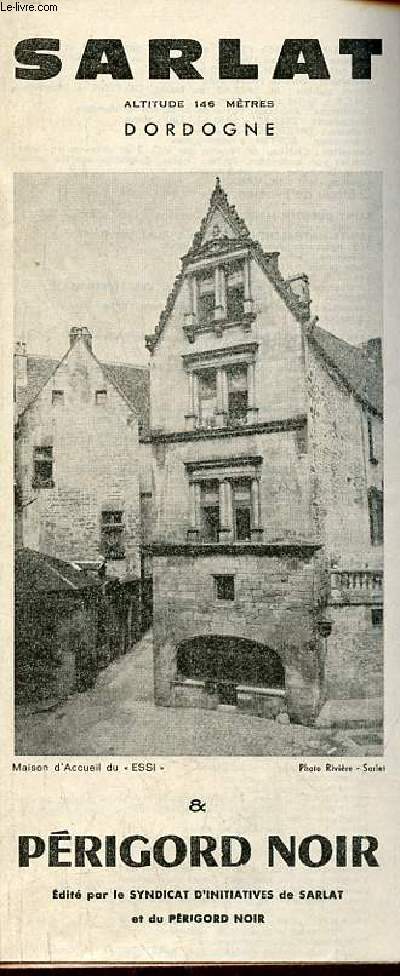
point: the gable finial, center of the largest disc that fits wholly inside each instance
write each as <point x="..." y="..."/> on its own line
<point x="218" y="193"/>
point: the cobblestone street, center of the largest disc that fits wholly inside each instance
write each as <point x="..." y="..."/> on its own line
<point x="118" y="717"/>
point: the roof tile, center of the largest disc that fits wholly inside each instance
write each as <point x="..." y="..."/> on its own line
<point x="37" y="572"/>
<point x="360" y="372"/>
<point x="132" y="381"/>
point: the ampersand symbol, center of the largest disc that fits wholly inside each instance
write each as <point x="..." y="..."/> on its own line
<point x="196" y="806"/>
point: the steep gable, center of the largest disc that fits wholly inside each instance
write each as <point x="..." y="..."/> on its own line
<point x="221" y="220"/>
<point x="131" y="382"/>
<point x="39" y="371"/>
<point x="222" y="231"/>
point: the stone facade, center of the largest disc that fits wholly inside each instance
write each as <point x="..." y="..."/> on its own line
<point x="341" y="470"/>
<point x="81" y="430"/>
<point x="275" y="597"/>
<point x="249" y="508"/>
<point x="266" y="435"/>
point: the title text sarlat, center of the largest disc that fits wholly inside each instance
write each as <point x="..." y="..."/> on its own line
<point x="107" y="56"/>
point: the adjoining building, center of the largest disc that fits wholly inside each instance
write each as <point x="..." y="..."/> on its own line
<point x="266" y="434"/>
<point x="77" y="462"/>
<point x="56" y="628"/>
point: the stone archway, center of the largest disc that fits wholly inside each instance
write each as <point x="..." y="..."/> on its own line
<point x="228" y="665"/>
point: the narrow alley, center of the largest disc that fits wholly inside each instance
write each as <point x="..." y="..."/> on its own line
<point x="118" y="717"/>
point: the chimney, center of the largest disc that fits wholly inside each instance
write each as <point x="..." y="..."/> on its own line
<point x="373" y="349"/>
<point x="80" y="332"/>
<point x="20" y="365"/>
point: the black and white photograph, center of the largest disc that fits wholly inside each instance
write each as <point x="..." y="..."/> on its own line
<point x="198" y="419"/>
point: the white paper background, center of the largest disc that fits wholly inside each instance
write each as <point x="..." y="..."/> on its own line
<point x="67" y="125"/>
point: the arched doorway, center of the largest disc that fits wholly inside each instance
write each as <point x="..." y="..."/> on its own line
<point x="225" y="663"/>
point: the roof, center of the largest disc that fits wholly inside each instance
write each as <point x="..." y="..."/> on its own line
<point x="200" y="248"/>
<point x="39" y="371"/>
<point x="36" y="573"/>
<point x="219" y="201"/>
<point x="133" y="382"/>
<point x="360" y="372"/>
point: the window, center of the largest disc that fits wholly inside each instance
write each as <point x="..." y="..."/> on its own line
<point x="377" y="616"/>
<point x="101" y="397"/>
<point x="237" y="394"/>
<point x="112" y="534"/>
<point x="241" y="490"/>
<point x="57" y="397"/>
<point x="375" y="505"/>
<point x="206" y="298"/>
<point x="207" y="397"/>
<point x="371" y="446"/>
<point x="224" y="587"/>
<point x="302" y="439"/>
<point x="209" y="510"/>
<point x="235" y="294"/>
<point x="225" y="499"/>
<point x="43" y="467"/>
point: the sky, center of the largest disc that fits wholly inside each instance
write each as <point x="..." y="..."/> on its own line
<point x="102" y="250"/>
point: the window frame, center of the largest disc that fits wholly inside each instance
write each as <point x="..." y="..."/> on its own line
<point x="235" y="271"/>
<point x="371" y="447"/>
<point x="57" y="398"/>
<point x="204" y="486"/>
<point x="38" y="479"/>
<point x="221" y="579"/>
<point x="377" y="616"/>
<point x="100" y="397"/>
<point x="376" y="516"/>
<point x="239" y="417"/>
<point x="206" y="296"/>
<point x="238" y="505"/>
<point x="230" y="471"/>
<point x="112" y="526"/>
<point x="210" y="419"/>
<point x="242" y="355"/>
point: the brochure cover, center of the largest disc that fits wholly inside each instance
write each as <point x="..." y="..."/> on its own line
<point x="200" y="396"/>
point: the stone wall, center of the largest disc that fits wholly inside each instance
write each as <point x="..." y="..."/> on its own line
<point x="340" y="470"/>
<point x="284" y="484"/>
<point x="279" y="372"/>
<point x="276" y="600"/>
<point x="354" y="661"/>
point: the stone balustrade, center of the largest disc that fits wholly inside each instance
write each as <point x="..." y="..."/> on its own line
<point x="357" y="586"/>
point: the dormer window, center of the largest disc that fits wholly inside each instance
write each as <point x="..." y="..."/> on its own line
<point x="219" y="296"/>
<point x="206" y="298"/>
<point x="235" y="293"/>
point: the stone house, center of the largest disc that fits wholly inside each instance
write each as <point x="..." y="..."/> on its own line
<point x="266" y="439"/>
<point x="78" y="471"/>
